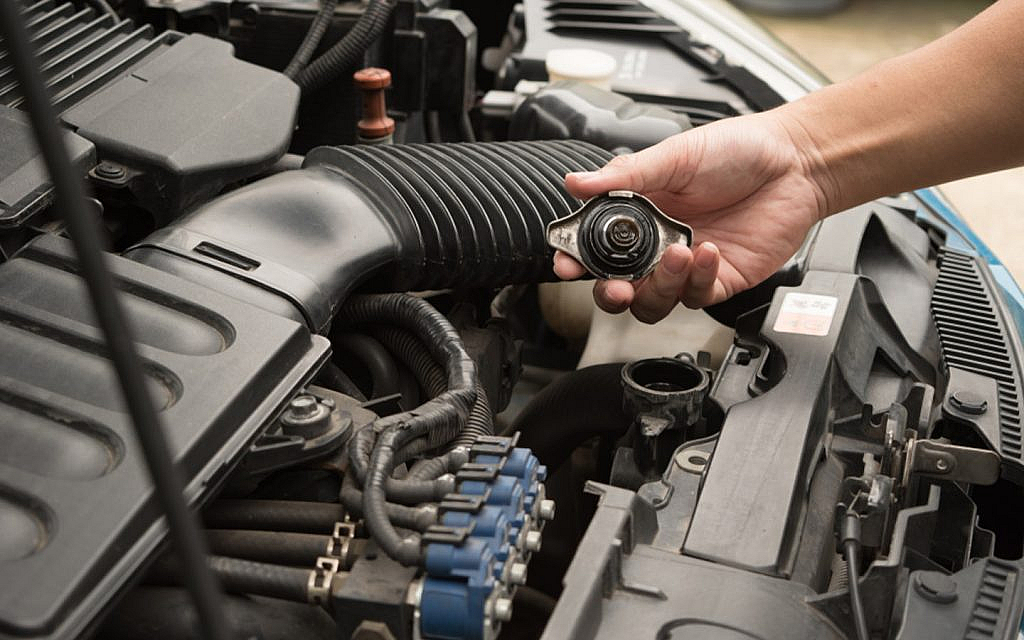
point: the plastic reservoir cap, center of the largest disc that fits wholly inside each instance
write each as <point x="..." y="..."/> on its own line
<point x="585" y="65"/>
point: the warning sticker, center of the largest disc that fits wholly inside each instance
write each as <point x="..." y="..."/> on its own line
<point x="806" y="314"/>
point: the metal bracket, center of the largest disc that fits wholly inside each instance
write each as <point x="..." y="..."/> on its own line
<point x="936" y="459"/>
<point x="620" y="235"/>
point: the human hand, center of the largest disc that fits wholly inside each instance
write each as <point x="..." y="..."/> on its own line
<point x="748" y="188"/>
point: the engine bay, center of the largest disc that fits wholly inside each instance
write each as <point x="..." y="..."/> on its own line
<point x="395" y="424"/>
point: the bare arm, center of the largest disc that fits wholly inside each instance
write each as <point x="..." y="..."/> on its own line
<point x="752" y="186"/>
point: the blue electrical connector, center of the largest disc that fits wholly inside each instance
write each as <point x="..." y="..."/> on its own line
<point x="477" y="555"/>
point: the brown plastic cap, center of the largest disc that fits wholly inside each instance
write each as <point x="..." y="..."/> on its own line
<point x="372" y="78"/>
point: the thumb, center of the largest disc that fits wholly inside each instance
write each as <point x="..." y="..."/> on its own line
<point x="643" y="172"/>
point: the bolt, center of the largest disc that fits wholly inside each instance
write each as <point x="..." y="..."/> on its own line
<point x="503" y="609"/>
<point x="547" y="510"/>
<point x="934" y="586"/>
<point x="942" y="464"/>
<point x="517" y="573"/>
<point x="109" y="171"/>
<point x="532" y="541"/>
<point x="302" y="406"/>
<point x="968" y="402"/>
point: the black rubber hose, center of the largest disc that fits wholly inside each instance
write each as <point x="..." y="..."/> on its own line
<point x="243" y="576"/>
<point x="317" y="29"/>
<point x="332" y="377"/>
<point x="413" y="518"/>
<point x="277" y="547"/>
<point x="118" y="337"/>
<point x="572" y="409"/>
<point x="441" y="418"/>
<point x="411" y="352"/>
<point x="380" y="366"/>
<point x="274" y="515"/>
<point x="148" y="612"/>
<point x="348" y="52"/>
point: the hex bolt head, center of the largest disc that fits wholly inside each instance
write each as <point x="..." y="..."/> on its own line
<point x="532" y="541"/>
<point x="302" y="406"/>
<point x="109" y="171"/>
<point x="935" y="587"/>
<point x="547" y="510"/>
<point x="503" y="609"/>
<point x="968" y="402"/>
<point x="517" y="573"/>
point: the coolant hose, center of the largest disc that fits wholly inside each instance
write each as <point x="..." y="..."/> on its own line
<point x="273" y="515"/>
<point x="572" y="409"/>
<point x="348" y="52"/>
<point x="381" y="367"/>
<point x="244" y="576"/>
<point x="411" y="352"/>
<point x="278" y="547"/>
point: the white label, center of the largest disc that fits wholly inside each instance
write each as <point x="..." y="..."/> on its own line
<point x="806" y="314"/>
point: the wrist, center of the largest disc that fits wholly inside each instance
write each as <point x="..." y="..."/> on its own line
<point x="811" y="156"/>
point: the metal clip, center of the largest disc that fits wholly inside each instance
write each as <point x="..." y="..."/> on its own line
<point x="319" y="586"/>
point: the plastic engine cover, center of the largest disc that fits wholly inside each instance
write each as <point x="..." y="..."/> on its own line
<point x="78" y="514"/>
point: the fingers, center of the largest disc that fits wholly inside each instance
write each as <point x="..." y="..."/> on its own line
<point x="645" y="171"/>
<point x="613" y="296"/>
<point x="566" y="267"/>
<point x="704" y="287"/>
<point x="659" y="293"/>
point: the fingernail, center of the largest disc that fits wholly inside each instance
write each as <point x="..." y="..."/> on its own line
<point x="582" y="175"/>
<point x="705" y="258"/>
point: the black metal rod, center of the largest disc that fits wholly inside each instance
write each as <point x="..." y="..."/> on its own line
<point x="85" y="236"/>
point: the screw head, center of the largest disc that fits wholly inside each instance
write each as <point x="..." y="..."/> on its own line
<point x="941" y="464"/>
<point x="547" y="510"/>
<point x="532" y="541"/>
<point x="109" y="171"/>
<point x="517" y="573"/>
<point x="302" y="406"/>
<point x="968" y="402"/>
<point x="503" y="609"/>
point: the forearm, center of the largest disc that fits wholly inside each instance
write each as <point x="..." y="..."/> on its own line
<point x="951" y="109"/>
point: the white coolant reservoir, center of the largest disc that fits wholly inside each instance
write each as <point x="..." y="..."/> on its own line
<point x="569" y="309"/>
<point x="585" y="65"/>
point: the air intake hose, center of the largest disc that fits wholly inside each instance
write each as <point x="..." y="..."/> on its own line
<point x="382" y="218"/>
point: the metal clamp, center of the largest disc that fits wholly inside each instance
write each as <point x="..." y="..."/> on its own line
<point x="620" y="235"/>
<point x="319" y="586"/>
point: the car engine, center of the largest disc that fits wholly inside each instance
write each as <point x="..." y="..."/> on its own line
<point x="396" y="425"/>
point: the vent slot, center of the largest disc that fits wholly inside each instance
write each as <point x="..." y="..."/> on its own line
<point x="986" y="615"/>
<point x="616" y="16"/>
<point x="79" y="51"/>
<point x="974" y="339"/>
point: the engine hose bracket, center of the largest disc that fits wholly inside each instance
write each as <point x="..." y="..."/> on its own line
<point x="620" y="235"/>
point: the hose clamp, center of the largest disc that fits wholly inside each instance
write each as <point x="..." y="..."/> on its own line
<point x="318" y="588"/>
